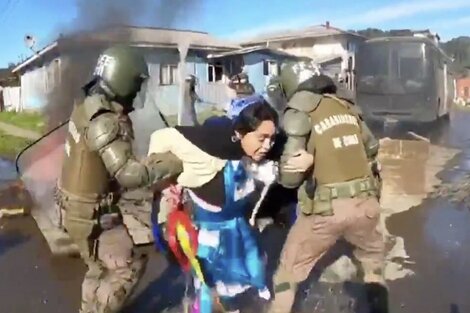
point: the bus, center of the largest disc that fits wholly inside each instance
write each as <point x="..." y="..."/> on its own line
<point x="404" y="79"/>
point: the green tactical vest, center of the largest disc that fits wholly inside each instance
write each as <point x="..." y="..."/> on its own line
<point x="83" y="171"/>
<point x="336" y="143"/>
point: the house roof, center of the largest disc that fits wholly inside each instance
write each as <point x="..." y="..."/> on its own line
<point x="401" y="39"/>
<point x="139" y="37"/>
<point x="7" y="78"/>
<point x="35" y="56"/>
<point x="316" y="31"/>
<point x="329" y="58"/>
<point x="151" y="36"/>
<point x="259" y="49"/>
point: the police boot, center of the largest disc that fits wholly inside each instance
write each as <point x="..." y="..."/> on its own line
<point x="90" y="284"/>
<point x="113" y="287"/>
<point x="377" y="298"/>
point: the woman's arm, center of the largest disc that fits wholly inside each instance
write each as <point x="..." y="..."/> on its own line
<point x="198" y="166"/>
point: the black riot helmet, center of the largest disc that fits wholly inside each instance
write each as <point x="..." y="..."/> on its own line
<point x="320" y="84"/>
<point x="120" y="73"/>
<point x="294" y="73"/>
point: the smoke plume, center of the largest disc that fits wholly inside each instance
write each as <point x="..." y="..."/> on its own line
<point x="77" y="56"/>
<point x="77" y="60"/>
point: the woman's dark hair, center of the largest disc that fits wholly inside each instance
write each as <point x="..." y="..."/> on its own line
<point x="253" y="115"/>
<point x="217" y="121"/>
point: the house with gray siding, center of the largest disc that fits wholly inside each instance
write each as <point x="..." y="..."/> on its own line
<point x="170" y="54"/>
<point x="331" y="48"/>
<point x="259" y="62"/>
<point x="163" y="50"/>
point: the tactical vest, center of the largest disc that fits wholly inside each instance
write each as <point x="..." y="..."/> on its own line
<point x="84" y="174"/>
<point x="336" y="143"/>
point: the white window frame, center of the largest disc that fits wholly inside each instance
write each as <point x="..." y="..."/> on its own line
<point x="171" y="72"/>
<point x="211" y="69"/>
<point x="273" y="67"/>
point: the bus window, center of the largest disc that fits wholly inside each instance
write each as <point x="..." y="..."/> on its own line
<point x="373" y="61"/>
<point x="392" y="67"/>
<point x="411" y="63"/>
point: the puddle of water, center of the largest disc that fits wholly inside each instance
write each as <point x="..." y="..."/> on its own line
<point x="7" y="171"/>
<point x="446" y="229"/>
<point x="11" y="240"/>
<point x="437" y="237"/>
<point x="435" y="234"/>
<point x="409" y="173"/>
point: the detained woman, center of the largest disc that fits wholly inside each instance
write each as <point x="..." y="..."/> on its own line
<point x="222" y="190"/>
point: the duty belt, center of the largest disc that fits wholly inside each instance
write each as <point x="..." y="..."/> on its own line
<point x="350" y="189"/>
<point x="106" y="204"/>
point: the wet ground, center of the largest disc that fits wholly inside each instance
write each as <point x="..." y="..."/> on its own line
<point x="34" y="281"/>
<point x="7" y="172"/>
<point x="436" y="239"/>
<point x="437" y="236"/>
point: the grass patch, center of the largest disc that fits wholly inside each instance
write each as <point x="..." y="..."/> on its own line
<point x="201" y="117"/>
<point x="27" y="120"/>
<point x="10" y="146"/>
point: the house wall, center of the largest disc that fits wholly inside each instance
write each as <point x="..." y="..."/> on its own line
<point x="166" y="97"/>
<point x="319" y="48"/>
<point x="463" y="88"/>
<point x="37" y="82"/>
<point x="254" y="67"/>
<point x="11" y="99"/>
<point x="322" y="48"/>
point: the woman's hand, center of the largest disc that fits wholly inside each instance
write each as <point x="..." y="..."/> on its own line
<point x="301" y="162"/>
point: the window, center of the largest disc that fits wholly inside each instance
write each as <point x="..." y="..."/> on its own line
<point x="351" y="46"/>
<point x="168" y="74"/>
<point x="466" y="92"/>
<point x="350" y="64"/>
<point x="52" y="75"/>
<point x="215" y="72"/>
<point x="270" y="68"/>
<point x="57" y="71"/>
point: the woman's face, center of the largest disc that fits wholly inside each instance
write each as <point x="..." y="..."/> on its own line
<point x="257" y="143"/>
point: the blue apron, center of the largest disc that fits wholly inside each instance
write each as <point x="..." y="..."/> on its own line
<point x="236" y="259"/>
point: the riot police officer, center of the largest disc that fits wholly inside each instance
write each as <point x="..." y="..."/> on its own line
<point x="275" y="95"/>
<point x="190" y="97"/>
<point x="242" y="86"/>
<point x="338" y="195"/>
<point x="98" y="165"/>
